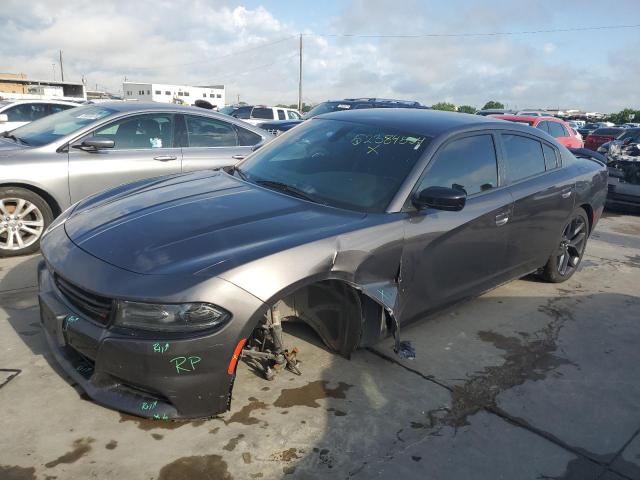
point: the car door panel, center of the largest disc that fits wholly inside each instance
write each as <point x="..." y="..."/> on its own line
<point x="138" y="154"/>
<point x="452" y="255"/>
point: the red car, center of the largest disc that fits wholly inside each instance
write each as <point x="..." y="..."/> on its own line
<point x="600" y="136"/>
<point x="555" y="127"/>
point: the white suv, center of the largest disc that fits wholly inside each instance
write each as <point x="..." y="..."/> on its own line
<point x="259" y="113"/>
<point x="16" y="113"/>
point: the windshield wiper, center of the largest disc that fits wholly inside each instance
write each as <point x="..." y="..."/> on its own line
<point x="14" y="138"/>
<point x="241" y="174"/>
<point x="283" y="187"/>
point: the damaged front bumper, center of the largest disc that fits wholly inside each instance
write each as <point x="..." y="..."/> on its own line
<point x="150" y="374"/>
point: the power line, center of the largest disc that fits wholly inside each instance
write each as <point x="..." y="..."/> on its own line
<point x="238" y="74"/>
<point x="471" y="34"/>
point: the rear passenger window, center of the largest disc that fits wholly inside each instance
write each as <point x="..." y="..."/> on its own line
<point x="247" y="138"/>
<point x="281" y="115"/>
<point x="210" y="132"/>
<point x="259" y="112"/>
<point x="557" y="130"/>
<point x="543" y="126"/>
<point x="524" y="157"/>
<point x="550" y="157"/>
<point x="467" y="164"/>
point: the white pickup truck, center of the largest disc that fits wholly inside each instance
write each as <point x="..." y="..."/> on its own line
<point x="255" y="114"/>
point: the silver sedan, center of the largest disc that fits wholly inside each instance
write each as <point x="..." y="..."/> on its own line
<point x="49" y="164"/>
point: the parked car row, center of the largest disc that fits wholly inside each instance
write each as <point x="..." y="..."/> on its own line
<point x="279" y="126"/>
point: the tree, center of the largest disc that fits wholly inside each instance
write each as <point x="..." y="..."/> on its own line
<point x="467" y="109"/>
<point x="446" y="106"/>
<point x="624" y="116"/>
<point x="492" y="104"/>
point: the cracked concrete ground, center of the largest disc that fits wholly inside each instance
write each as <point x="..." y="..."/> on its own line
<point x="530" y="381"/>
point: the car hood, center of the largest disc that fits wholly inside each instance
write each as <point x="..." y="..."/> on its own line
<point x="200" y="223"/>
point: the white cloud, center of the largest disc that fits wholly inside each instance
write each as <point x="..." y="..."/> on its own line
<point x="206" y="42"/>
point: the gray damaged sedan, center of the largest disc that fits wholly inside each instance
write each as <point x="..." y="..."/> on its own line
<point x="354" y="222"/>
<point x="53" y="162"/>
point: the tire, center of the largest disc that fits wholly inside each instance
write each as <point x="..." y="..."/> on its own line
<point x="566" y="258"/>
<point x="24" y="216"/>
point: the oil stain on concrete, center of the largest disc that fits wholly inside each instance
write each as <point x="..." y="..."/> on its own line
<point x="111" y="445"/>
<point x="14" y="472"/>
<point x="81" y="447"/>
<point x="233" y="443"/>
<point x="309" y="394"/>
<point x="527" y="357"/>
<point x="203" y="467"/>
<point x="243" y="416"/>
<point x="151" y="424"/>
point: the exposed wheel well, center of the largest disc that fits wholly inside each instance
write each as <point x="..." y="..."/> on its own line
<point x="339" y="313"/>
<point x="55" y="208"/>
<point x="589" y="210"/>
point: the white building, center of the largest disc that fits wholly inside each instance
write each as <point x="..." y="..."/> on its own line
<point x="160" y="92"/>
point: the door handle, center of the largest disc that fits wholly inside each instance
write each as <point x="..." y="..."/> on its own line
<point x="165" y="158"/>
<point x="566" y="193"/>
<point x="238" y="157"/>
<point x="502" y="219"/>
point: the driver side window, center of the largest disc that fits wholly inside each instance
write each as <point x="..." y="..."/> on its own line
<point x="139" y="132"/>
<point x="468" y="164"/>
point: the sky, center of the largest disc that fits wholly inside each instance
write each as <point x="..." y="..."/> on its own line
<point x="252" y="48"/>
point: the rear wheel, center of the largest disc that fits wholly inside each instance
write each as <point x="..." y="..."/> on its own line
<point x="564" y="261"/>
<point x="24" y="215"/>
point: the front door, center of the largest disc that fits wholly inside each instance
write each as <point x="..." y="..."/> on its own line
<point x="452" y="255"/>
<point x="144" y="148"/>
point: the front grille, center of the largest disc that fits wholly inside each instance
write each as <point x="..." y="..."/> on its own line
<point x="94" y="306"/>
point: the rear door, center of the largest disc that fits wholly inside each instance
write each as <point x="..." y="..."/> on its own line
<point x="214" y="143"/>
<point x="557" y="130"/>
<point x="451" y="255"/>
<point x="543" y="196"/>
<point x="144" y="148"/>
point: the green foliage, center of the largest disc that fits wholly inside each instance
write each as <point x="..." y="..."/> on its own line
<point x="492" y="104"/>
<point x="467" y="109"/>
<point x="625" y="116"/>
<point x="446" y="106"/>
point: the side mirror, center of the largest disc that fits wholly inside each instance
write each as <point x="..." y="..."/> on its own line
<point x="4" y="118"/>
<point x="93" y="144"/>
<point x="440" y="198"/>
<point x="258" y="145"/>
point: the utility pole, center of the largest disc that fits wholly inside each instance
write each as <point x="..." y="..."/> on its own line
<point x="300" y="79"/>
<point x="61" y="68"/>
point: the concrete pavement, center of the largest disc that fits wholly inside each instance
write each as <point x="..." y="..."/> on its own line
<point x="530" y="381"/>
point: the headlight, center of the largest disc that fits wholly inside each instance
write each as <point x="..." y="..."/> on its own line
<point x="185" y="317"/>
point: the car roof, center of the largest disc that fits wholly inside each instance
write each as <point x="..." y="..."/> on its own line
<point x="416" y="121"/>
<point x="526" y="118"/>
<point x="135" y="106"/>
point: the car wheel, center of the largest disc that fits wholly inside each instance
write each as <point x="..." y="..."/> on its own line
<point x="24" y="216"/>
<point x="565" y="260"/>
